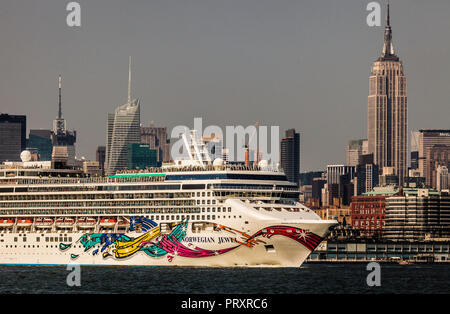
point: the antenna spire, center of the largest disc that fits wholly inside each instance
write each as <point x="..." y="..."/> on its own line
<point x="129" y="80"/>
<point x="388" y="47"/>
<point x="388" y="18"/>
<point x="59" y="104"/>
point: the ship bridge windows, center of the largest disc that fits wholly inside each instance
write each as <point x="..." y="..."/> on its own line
<point x="193" y="186"/>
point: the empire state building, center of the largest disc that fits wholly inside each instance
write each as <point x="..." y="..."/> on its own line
<point x="388" y="109"/>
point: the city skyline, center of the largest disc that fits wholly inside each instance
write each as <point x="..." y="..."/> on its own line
<point x="263" y="39"/>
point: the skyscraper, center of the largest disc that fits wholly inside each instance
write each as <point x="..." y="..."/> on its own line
<point x="100" y="155"/>
<point x="63" y="140"/>
<point x="388" y="109"/>
<point x="123" y="128"/>
<point x="41" y="140"/>
<point x="158" y="139"/>
<point x="12" y="136"/>
<point x="354" y="150"/>
<point x="367" y="175"/>
<point x="290" y="155"/>
<point x="140" y="156"/>
<point x="427" y="139"/>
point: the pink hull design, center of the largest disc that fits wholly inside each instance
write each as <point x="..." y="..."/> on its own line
<point x="308" y="239"/>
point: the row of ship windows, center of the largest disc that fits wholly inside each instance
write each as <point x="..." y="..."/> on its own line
<point x="19" y="197"/>
<point x="96" y="203"/>
<point x="117" y="211"/>
<point x="46" y="239"/>
<point x="35" y="246"/>
<point x="119" y="196"/>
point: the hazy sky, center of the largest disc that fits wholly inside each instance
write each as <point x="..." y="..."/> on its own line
<point x="293" y="63"/>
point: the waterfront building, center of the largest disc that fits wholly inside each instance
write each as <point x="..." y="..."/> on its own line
<point x="12" y="136"/>
<point x="368" y="214"/>
<point x="290" y="155"/>
<point x="123" y="128"/>
<point x="388" y="109"/>
<point x="417" y="214"/>
<point x="159" y="140"/>
<point x="365" y="251"/>
<point x="41" y="141"/>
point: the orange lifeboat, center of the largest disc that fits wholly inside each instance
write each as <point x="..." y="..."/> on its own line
<point x="44" y="223"/>
<point x="22" y="222"/>
<point x="65" y="222"/>
<point x="108" y="222"/>
<point x="6" y="223"/>
<point x="86" y="222"/>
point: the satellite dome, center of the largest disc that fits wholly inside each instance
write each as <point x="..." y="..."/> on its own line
<point x="263" y="164"/>
<point x="218" y="162"/>
<point x="25" y="155"/>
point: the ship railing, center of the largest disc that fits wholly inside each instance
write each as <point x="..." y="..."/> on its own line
<point x="245" y="187"/>
<point x="88" y="180"/>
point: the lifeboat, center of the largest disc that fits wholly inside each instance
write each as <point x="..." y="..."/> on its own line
<point x="108" y="222"/>
<point x="6" y="223"/>
<point x="65" y="222"/>
<point x="22" y="222"/>
<point x="86" y="222"/>
<point x="44" y="223"/>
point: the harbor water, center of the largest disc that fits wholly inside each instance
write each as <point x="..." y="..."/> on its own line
<point x="327" y="278"/>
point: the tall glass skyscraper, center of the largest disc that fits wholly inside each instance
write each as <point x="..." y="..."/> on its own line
<point x="290" y="155"/>
<point x="388" y="110"/>
<point x="123" y="128"/>
<point x="12" y="136"/>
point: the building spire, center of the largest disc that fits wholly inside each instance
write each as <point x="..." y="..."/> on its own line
<point x="129" y="80"/>
<point x="59" y="103"/>
<point x="388" y="47"/>
<point x="388" y="18"/>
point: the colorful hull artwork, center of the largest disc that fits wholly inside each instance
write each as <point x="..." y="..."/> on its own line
<point x="155" y="244"/>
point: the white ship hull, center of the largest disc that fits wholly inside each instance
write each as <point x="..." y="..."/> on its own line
<point x="222" y="247"/>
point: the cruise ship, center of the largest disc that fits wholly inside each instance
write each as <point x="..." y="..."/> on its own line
<point x="214" y="214"/>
